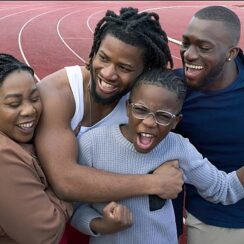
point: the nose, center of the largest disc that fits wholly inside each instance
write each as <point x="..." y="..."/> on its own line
<point x="109" y="72"/>
<point x="190" y="53"/>
<point x="150" y="120"/>
<point x="27" y="109"/>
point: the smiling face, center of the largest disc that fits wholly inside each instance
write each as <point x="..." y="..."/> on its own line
<point x="146" y="134"/>
<point x="206" y="47"/>
<point x="114" y="68"/>
<point x="20" y="106"/>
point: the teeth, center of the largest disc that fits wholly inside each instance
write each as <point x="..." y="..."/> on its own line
<point x="191" y="66"/>
<point x="26" y="125"/>
<point x="146" y="135"/>
<point x="106" y="85"/>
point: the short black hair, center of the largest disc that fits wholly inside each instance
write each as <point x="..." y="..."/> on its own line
<point x="137" y="29"/>
<point x="225" y="15"/>
<point x="163" y="78"/>
<point x="9" y="64"/>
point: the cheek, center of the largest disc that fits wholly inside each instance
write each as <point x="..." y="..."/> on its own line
<point x="38" y="108"/>
<point x="96" y="63"/>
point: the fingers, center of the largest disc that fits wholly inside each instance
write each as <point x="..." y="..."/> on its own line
<point x="118" y="213"/>
<point x="169" y="179"/>
<point x="171" y="163"/>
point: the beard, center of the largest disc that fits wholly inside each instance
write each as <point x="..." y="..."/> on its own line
<point x="99" y="99"/>
<point x="213" y="76"/>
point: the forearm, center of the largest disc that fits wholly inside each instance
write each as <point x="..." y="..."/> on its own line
<point x="98" y="227"/>
<point x="81" y="183"/>
<point x="240" y="174"/>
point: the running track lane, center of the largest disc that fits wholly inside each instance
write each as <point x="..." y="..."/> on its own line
<point x="50" y="35"/>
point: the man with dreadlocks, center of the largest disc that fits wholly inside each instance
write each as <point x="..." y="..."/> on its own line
<point x="213" y="116"/>
<point x="77" y="99"/>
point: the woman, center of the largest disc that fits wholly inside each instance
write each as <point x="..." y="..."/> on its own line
<point x="30" y="212"/>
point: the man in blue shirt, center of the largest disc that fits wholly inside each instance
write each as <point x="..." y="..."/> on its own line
<point x="213" y="117"/>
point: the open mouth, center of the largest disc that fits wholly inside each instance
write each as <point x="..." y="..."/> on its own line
<point x="192" y="70"/>
<point x="26" y="127"/>
<point x="106" y="87"/>
<point x="145" y="141"/>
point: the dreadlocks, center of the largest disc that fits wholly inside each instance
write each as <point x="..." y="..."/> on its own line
<point x="137" y="29"/>
<point x="9" y="64"/>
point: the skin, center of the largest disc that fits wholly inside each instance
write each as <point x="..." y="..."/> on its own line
<point x="58" y="157"/>
<point x="20" y="106"/>
<point x="116" y="217"/>
<point x="206" y="47"/>
<point x="155" y="98"/>
<point x="215" y="52"/>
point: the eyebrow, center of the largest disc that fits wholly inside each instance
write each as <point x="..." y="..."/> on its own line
<point x="17" y="95"/>
<point x="125" y="64"/>
<point x="186" y="37"/>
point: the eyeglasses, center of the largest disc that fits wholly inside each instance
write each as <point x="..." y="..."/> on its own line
<point x="161" y="117"/>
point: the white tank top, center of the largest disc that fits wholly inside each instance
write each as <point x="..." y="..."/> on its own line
<point x="117" y="116"/>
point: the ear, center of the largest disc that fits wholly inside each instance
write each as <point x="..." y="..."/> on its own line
<point x="177" y="120"/>
<point x="232" y="53"/>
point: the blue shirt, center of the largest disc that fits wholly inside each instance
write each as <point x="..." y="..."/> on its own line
<point x="213" y="121"/>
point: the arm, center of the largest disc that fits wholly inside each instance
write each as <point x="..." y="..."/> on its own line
<point x="240" y="174"/>
<point x="57" y="151"/>
<point x="212" y="184"/>
<point x="29" y="212"/>
<point x="115" y="217"/>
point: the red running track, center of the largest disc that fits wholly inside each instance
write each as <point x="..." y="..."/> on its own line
<point x="49" y="35"/>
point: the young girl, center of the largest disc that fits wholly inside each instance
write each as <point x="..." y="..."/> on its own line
<point x="30" y="212"/>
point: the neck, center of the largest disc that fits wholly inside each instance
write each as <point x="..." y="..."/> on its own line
<point x="227" y="77"/>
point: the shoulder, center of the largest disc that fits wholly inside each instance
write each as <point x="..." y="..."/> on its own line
<point x="56" y="95"/>
<point x="98" y="134"/>
<point x="12" y="152"/>
<point x="177" y="141"/>
<point x="179" y="72"/>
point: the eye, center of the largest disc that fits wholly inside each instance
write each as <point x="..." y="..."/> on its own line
<point x="140" y="110"/>
<point x="13" y="105"/>
<point x="205" y="48"/>
<point x="125" y="69"/>
<point x="35" y="98"/>
<point x="164" y="117"/>
<point x="102" y="57"/>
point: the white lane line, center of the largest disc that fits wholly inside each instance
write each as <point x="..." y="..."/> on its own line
<point x="62" y="39"/>
<point x="23" y="27"/>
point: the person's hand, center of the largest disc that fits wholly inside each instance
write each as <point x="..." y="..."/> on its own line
<point x="116" y="217"/>
<point x="170" y="180"/>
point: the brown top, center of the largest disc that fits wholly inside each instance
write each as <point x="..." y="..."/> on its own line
<point x="30" y="212"/>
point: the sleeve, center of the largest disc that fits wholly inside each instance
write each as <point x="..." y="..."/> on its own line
<point x="85" y="213"/>
<point x="212" y="184"/>
<point x="82" y="218"/>
<point x="85" y="144"/>
<point x="27" y="214"/>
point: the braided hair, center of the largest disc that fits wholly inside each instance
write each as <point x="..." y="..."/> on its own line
<point x="9" y="64"/>
<point x="141" y="30"/>
<point x="163" y="78"/>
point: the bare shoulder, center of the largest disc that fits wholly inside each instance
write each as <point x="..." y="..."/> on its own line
<point x="57" y="96"/>
<point x="55" y="84"/>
